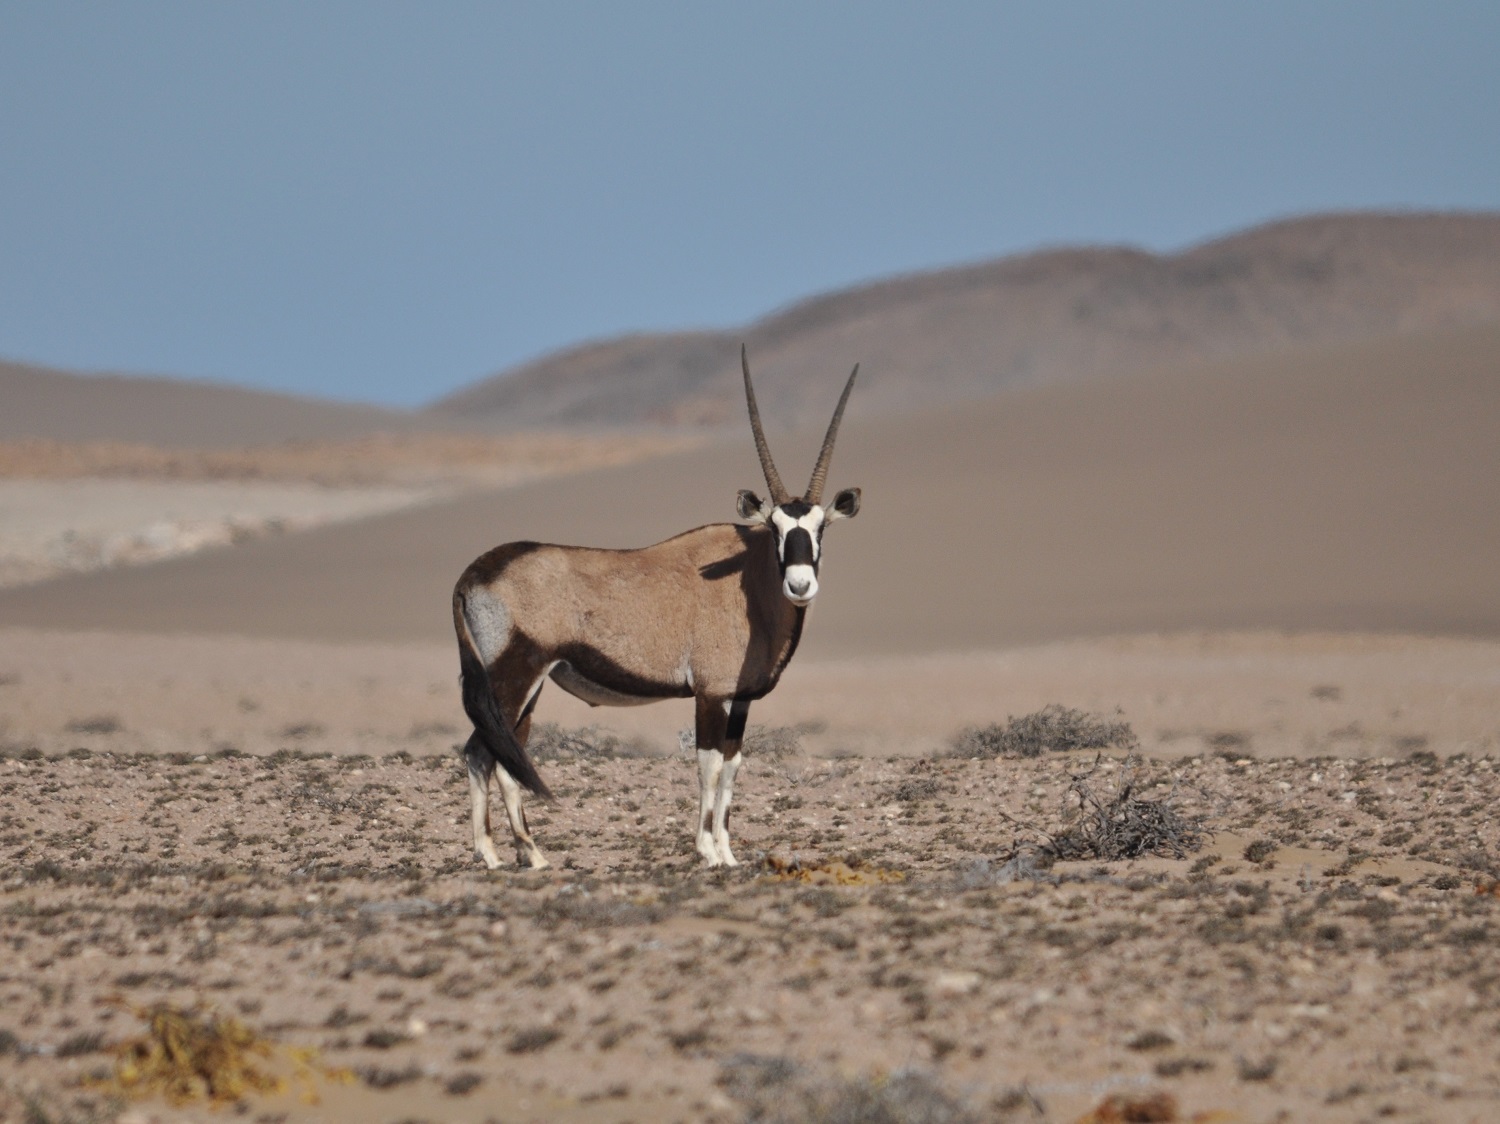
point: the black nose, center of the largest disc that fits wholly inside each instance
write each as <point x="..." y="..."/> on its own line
<point x="797" y="587"/>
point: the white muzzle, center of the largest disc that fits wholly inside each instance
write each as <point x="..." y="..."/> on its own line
<point x="800" y="584"/>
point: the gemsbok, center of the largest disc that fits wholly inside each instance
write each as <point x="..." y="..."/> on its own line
<point x="713" y="614"/>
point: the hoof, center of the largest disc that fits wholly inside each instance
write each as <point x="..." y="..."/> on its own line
<point x="726" y="856"/>
<point x="709" y="854"/>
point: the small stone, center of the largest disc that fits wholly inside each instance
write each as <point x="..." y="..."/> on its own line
<point x="498" y="929"/>
<point x="956" y="983"/>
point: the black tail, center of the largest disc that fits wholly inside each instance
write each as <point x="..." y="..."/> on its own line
<point x="494" y="731"/>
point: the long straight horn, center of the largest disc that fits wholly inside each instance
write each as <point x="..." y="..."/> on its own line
<point x="767" y="465"/>
<point x="820" y="473"/>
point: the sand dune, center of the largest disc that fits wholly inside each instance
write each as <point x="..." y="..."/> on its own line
<point x="945" y="336"/>
<point x="1341" y="488"/>
<point x="174" y="413"/>
<point x="1058" y="315"/>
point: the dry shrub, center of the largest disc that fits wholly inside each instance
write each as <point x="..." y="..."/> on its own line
<point x="775" y="1090"/>
<point x="1030" y="864"/>
<point x="96" y="724"/>
<point x="196" y="1055"/>
<point x="1257" y="1070"/>
<point x="1259" y="851"/>
<point x="771" y="743"/>
<point x="828" y="874"/>
<point x="462" y="1084"/>
<point x="551" y="742"/>
<point x="1054" y="728"/>
<point x="1228" y="744"/>
<point x="380" y="1077"/>
<point x="917" y="788"/>
<point x="532" y="1039"/>
<point x="776" y="742"/>
<point x="590" y="911"/>
<point x="1124" y="826"/>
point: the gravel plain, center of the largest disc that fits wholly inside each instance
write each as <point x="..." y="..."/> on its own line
<point x="1327" y="953"/>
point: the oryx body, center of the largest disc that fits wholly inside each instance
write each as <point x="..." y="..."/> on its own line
<point x="713" y="614"/>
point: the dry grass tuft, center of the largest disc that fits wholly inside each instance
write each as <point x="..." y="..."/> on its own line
<point x="1155" y="1108"/>
<point x="191" y="1056"/>
<point x="1054" y="728"/>
<point x="828" y="874"/>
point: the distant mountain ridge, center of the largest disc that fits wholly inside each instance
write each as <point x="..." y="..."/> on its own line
<point x="926" y="339"/>
<point x="1051" y="316"/>
<point x="44" y="402"/>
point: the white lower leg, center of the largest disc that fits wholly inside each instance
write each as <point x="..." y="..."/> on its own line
<point x="479" y="811"/>
<point x="526" y="848"/>
<point x="710" y="769"/>
<point x="722" y="801"/>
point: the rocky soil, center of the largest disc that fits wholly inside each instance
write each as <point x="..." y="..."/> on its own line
<point x="898" y="940"/>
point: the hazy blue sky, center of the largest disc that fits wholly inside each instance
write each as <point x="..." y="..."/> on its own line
<point x="385" y="201"/>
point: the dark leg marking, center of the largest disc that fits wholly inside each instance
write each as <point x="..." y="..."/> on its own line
<point x="739" y="713"/>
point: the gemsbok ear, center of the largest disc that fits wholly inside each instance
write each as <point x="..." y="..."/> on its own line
<point x="845" y="505"/>
<point x="749" y="506"/>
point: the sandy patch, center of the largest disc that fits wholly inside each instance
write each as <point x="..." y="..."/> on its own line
<point x="54" y="527"/>
<point x="1268" y="694"/>
<point x="76" y="507"/>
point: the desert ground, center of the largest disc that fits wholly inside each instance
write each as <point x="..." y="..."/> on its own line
<point x="1136" y="766"/>
<point x="278" y="832"/>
